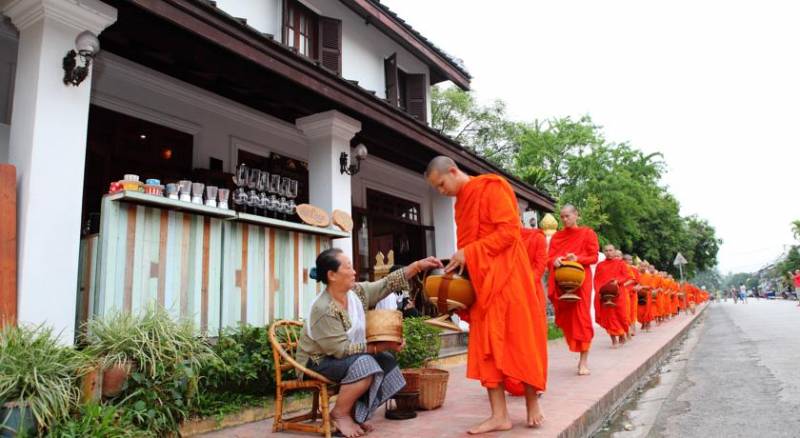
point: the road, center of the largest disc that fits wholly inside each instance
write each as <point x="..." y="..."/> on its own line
<point x="741" y="377"/>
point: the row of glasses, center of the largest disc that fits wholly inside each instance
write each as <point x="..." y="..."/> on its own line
<point x="259" y="192"/>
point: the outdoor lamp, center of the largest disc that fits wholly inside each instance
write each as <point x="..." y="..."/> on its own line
<point x="87" y="46"/>
<point x="352" y="169"/>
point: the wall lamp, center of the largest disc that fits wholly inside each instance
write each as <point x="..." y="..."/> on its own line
<point x="87" y="46"/>
<point x="360" y="154"/>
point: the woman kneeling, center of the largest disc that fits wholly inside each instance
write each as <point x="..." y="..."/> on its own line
<point x="334" y="344"/>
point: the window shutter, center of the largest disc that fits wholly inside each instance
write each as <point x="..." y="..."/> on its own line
<point x="390" y="72"/>
<point x="415" y="91"/>
<point x="330" y="44"/>
<point x="285" y="20"/>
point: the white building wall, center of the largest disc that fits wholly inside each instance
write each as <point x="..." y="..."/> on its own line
<point x="364" y="47"/>
<point x="380" y="175"/>
<point x="263" y="15"/>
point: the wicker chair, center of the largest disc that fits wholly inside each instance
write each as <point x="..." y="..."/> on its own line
<point x="284" y="337"/>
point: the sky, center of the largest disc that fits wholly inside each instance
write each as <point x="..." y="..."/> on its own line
<point x="713" y="85"/>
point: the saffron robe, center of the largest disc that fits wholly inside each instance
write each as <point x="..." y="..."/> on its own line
<point x="646" y="310"/>
<point x="574" y="318"/>
<point x="508" y="331"/>
<point x="536" y="245"/>
<point x="633" y="306"/>
<point x="615" y="320"/>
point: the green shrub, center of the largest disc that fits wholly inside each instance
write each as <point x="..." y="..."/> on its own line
<point x="422" y="343"/>
<point x="245" y="364"/>
<point x="37" y="372"/>
<point x="553" y="332"/>
<point x="167" y="358"/>
<point x="96" y="421"/>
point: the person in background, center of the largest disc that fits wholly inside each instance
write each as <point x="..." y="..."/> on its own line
<point x="796" y="281"/>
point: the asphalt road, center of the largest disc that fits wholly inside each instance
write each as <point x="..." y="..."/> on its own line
<point x="741" y="378"/>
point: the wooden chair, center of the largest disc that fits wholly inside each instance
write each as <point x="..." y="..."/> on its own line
<point x="284" y="337"/>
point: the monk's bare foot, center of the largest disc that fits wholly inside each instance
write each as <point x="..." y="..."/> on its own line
<point x="490" y="425"/>
<point x="535" y="416"/>
<point x="583" y="370"/>
<point x="346" y="426"/>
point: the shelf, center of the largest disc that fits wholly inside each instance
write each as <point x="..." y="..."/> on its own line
<point x="277" y="223"/>
<point x="172" y="204"/>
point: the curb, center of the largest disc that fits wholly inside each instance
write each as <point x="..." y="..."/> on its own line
<point x="593" y="418"/>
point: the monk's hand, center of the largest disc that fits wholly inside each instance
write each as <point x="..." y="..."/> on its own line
<point x="572" y="257"/>
<point x="457" y="260"/>
<point x="557" y="262"/>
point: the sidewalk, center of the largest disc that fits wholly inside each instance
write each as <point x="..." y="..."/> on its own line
<point x="573" y="405"/>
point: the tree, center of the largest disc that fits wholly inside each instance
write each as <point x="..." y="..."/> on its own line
<point x="484" y="129"/>
<point x="796" y="229"/>
<point x="709" y="279"/>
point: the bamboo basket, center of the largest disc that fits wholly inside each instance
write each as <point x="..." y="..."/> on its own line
<point x="411" y="376"/>
<point x="432" y="388"/>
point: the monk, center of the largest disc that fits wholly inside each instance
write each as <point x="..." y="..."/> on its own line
<point x="508" y="331"/>
<point x="645" y="315"/>
<point x="536" y="244"/>
<point x="574" y="243"/>
<point x="614" y="319"/>
<point x="633" y="306"/>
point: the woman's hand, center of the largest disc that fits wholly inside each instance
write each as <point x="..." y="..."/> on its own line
<point x="423" y="265"/>
<point x="457" y="260"/>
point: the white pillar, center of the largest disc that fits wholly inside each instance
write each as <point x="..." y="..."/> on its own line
<point x="329" y="135"/>
<point x="444" y="223"/>
<point x="48" y="147"/>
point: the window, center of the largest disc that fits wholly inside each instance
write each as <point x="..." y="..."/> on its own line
<point x="313" y="36"/>
<point x="301" y="29"/>
<point x="405" y="90"/>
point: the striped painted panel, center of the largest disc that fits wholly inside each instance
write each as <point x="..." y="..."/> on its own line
<point x="87" y="270"/>
<point x="218" y="273"/>
<point x="153" y="255"/>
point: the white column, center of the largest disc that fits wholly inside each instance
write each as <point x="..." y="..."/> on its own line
<point x="48" y="147"/>
<point x="329" y="135"/>
<point x="444" y="223"/>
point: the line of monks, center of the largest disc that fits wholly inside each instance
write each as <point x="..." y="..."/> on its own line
<point x="507" y="348"/>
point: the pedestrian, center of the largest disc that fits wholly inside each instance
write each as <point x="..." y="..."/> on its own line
<point x="796" y="281"/>
<point x="743" y="293"/>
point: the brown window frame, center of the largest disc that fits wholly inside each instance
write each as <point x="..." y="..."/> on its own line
<point x="294" y="12"/>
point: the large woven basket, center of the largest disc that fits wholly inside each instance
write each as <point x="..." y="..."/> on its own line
<point x="432" y="388"/>
<point x="411" y="375"/>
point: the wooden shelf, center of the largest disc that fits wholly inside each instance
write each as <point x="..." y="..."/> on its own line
<point x="172" y="204"/>
<point x="277" y="223"/>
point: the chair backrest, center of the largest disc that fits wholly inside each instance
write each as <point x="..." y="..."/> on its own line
<point x="284" y="336"/>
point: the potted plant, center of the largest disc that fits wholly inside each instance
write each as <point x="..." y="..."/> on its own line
<point x="422" y="345"/>
<point x="38" y="379"/>
<point x="114" y="341"/>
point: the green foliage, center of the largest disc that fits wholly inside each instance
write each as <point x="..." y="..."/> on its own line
<point x="484" y="129"/>
<point x="218" y="404"/>
<point x="167" y="359"/>
<point x="422" y="343"/>
<point x="553" y="332"/>
<point x="709" y="279"/>
<point x="96" y="421"/>
<point x="796" y="229"/>
<point x="616" y="187"/>
<point x="39" y="373"/>
<point x="246" y="364"/>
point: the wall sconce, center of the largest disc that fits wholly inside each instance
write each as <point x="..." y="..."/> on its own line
<point x="360" y="154"/>
<point x="87" y="46"/>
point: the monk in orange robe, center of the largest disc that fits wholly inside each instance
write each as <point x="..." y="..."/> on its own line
<point x="614" y="319"/>
<point x="508" y="331"/>
<point x="633" y="297"/>
<point x="536" y="244"/>
<point x="574" y="243"/>
<point x="645" y="315"/>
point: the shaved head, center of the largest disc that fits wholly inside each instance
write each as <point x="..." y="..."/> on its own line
<point x="570" y="207"/>
<point x="440" y="164"/>
<point x="444" y="175"/>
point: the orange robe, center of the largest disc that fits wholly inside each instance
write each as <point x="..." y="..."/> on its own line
<point x="508" y="333"/>
<point x="646" y="305"/>
<point x="615" y="320"/>
<point x="633" y="307"/>
<point x="536" y="245"/>
<point x="574" y="318"/>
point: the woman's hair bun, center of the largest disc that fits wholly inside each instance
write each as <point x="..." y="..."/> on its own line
<point x="312" y="274"/>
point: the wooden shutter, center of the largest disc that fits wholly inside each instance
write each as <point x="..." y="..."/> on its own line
<point x="415" y="91"/>
<point x="390" y="72"/>
<point x="285" y="22"/>
<point x="330" y="44"/>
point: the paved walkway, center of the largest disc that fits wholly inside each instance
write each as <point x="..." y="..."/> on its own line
<point x="572" y="404"/>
